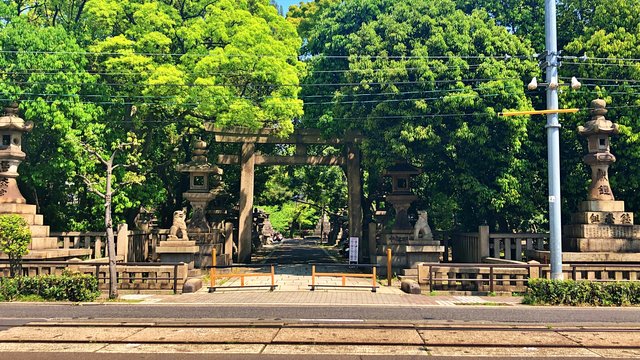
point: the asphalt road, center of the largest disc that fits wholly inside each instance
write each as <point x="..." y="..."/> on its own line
<point x="15" y="313"/>
<point x="291" y="251"/>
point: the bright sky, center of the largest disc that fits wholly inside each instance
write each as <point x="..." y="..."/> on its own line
<point x="286" y="3"/>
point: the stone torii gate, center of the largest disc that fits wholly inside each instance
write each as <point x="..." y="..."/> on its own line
<point x="248" y="159"/>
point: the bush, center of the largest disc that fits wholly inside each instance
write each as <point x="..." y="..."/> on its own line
<point x="15" y="237"/>
<point x="72" y="287"/>
<point x="569" y="292"/>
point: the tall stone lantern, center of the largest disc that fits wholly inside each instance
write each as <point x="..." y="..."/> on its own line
<point x="401" y="195"/>
<point x="598" y="130"/>
<point x="202" y="176"/>
<point x="11" y="129"/>
<point x="601" y="231"/>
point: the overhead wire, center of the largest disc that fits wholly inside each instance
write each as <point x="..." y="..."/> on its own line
<point x="284" y="56"/>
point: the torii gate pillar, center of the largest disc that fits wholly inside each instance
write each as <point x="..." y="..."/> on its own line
<point x="245" y="220"/>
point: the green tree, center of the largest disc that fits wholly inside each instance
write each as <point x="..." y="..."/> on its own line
<point x="606" y="32"/>
<point x="15" y="237"/>
<point x="424" y="83"/>
<point x="100" y="72"/>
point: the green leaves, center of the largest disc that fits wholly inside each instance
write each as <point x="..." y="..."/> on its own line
<point x="105" y="71"/>
<point x="15" y="238"/>
<point x="422" y="81"/>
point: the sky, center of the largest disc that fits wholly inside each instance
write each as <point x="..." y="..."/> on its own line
<point x="286" y="3"/>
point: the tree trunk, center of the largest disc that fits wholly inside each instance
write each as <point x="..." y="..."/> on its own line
<point x="111" y="246"/>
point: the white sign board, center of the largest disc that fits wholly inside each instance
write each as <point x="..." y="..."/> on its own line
<point x="353" y="249"/>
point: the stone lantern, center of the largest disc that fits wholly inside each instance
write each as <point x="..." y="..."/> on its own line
<point x="401" y="195"/>
<point x="200" y="194"/>
<point x="601" y="231"/>
<point x="598" y="130"/>
<point x="11" y="129"/>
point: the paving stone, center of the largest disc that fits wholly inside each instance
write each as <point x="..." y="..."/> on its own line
<point x="45" y="347"/>
<point x="134" y="348"/>
<point x="53" y="333"/>
<point x="617" y="353"/>
<point x="604" y="338"/>
<point x="221" y="335"/>
<point x="345" y="350"/>
<point x="337" y="335"/>
<point x="497" y="337"/>
<point x="523" y="352"/>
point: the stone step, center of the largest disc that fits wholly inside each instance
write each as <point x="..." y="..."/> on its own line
<point x="409" y="272"/>
<point x="602" y="244"/>
<point x="39" y="231"/>
<point x="54" y="254"/>
<point x="33" y="219"/>
<point x="42" y="243"/>
<point x="408" y="277"/>
<point x="10" y="208"/>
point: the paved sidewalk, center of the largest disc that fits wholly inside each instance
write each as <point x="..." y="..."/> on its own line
<point x="333" y="297"/>
<point x="293" y="280"/>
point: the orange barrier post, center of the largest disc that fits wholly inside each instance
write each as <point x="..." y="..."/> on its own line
<point x="373" y="280"/>
<point x="313" y="277"/>
<point x="273" y="280"/>
<point x="212" y="272"/>
<point x="389" y="273"/>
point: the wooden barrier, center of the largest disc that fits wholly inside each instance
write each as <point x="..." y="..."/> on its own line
<point x="343" y="276"/>
<point x="214" y="275"/>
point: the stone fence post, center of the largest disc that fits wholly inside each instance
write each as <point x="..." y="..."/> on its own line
<point x="534" y="271"/>
<point x="483" y="239"/>
<point x="122" y="241"/>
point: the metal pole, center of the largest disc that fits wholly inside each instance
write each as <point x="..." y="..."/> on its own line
<point x="553" y="140"/>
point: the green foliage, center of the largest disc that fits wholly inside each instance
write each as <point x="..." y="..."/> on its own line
<point x="15" y="237"/>
<point x="419" y="81"/>
<point x="71" y="287"/>
<point x="103" y="72"/>
<point x="291" y="215"/>
<point x="605" y="30"/>
<point x="568" y="292"/>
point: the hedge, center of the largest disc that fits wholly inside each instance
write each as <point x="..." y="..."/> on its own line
<point x="569" y="292"/>
<point x="71" y="287"/>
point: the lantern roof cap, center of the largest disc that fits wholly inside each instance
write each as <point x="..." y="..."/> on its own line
<point x="11" y="121"/>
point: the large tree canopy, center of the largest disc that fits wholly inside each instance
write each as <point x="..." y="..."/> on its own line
<point x="424" y="83"/>
<point x="97" y="73"/>
<point x="600" y="45"/>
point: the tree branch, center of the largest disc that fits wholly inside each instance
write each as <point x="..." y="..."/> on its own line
<point x="91" y="186"/>
<point x="93" y="152"/>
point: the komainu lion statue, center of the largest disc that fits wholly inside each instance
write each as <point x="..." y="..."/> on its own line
<point x="422" y="227"/>
<point x="179" y="226"/>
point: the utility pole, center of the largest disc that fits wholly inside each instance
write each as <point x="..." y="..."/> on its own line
<point x="553" y="140"/>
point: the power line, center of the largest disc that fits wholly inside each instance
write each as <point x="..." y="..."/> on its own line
<point x="283" y="56"/>
<point x="268" y="84"/>
<point x="228" y="73"/>
<point x="302" y="97"/>
<point x="587" y="58"/>
<point x="598" y="64"/>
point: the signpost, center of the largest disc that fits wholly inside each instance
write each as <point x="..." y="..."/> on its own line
<point x="353" y="249"/>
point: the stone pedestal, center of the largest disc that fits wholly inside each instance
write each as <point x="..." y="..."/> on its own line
<point x="601" y="231"/>
<point x="175" y="251"/>
<point x="406" y="251"/>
